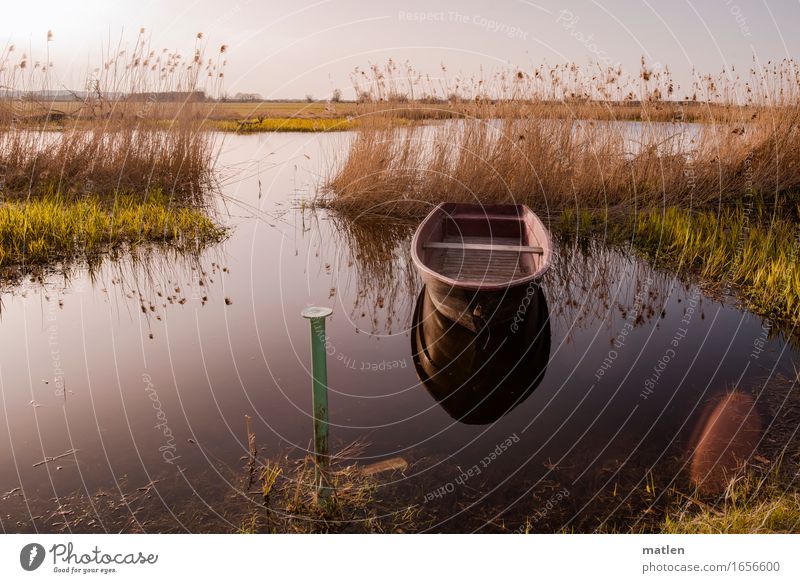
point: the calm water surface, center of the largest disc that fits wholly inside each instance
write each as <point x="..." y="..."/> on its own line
<point x="148" y="369"/>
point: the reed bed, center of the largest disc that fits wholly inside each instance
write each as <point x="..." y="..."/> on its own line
<point x="288" y="124"/>
<point x="510" y="144"/>
<point x="137" y="126"/>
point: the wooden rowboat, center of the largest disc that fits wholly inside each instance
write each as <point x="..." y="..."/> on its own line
<point x="480" y="262"/>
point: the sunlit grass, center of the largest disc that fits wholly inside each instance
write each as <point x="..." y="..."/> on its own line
<point x="541" y="137"/>
<point x="57" y="227"/>
<point x="744" y="251"/>
<point x="750" y="505"/>
<point x="275" y="124"/>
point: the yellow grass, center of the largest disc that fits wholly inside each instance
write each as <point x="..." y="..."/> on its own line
<point x="750" y="505"/>
<point x="235" y="111"/>
<point x="58" y="228"/>
<point x="743" y="248"/>
<point x="109" y="141"/>
<point x="274" y="124"/>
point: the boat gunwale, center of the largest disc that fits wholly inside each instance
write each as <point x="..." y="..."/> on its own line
<point x="546" y="245"/>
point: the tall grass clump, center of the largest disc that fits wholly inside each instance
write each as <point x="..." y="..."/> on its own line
<point x="287" y="124"/>
<point x="551" y="138"/>
<point x="137" y="125"/>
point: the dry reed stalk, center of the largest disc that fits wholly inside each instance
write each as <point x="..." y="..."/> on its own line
<point x="137" y="127"/>
<point x="514" y="145"/>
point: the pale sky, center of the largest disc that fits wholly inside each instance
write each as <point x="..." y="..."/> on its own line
<point x="290" y="48"/>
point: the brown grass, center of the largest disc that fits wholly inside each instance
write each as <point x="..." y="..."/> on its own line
<point x="513" y="144"/>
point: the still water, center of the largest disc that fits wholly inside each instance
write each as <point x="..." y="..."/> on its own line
<point x="147" y="368"/>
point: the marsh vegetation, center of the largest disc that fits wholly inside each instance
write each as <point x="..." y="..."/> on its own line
<point x="512" y="144"/>
<point x="121" y="166"/>
<point x="640" y="185"/>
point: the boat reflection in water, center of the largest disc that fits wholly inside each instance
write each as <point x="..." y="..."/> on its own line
<point x="479" y="377"/>
<point x="726" y="437"/>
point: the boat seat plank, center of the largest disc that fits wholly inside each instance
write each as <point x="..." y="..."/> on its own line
<point x="484" y="217"/>
<point x="485" y="247"/>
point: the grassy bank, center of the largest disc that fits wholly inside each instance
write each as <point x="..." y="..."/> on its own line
<point x="122" y="167"/>
<point x="114" y="138"/>
<point x="58" y="227"/>
<point x="778" y="513"/>
<point x="749" y="250"/>
<point x="523" y="149"/>
<point x="753" y="502"/>
<point x="743" y="248"/>
<point x="417" y="110"/>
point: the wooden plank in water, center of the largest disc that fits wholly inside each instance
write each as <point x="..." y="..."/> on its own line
<point x="485" y="247"/>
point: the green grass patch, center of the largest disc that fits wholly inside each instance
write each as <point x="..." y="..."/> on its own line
<point x="750" y="506"/>
<point x="57" y="227"/>
<point x="741" y="247"/>
<point x="275" y="124"/>
<point x="745" y="250"/>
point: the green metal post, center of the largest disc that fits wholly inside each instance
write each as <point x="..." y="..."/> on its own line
<point x="319" y="397"/>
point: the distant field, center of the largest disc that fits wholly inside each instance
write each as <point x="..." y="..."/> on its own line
<point x="216" y="111"/>
<point x="302" y="116"/>
<point x="284" y="124"/>
<point x="417" y="110"/>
